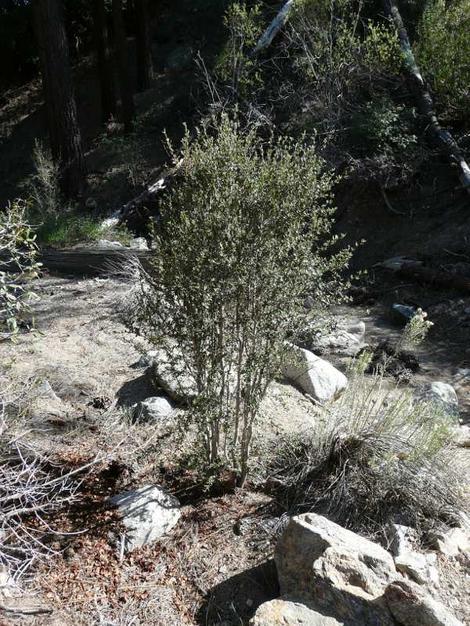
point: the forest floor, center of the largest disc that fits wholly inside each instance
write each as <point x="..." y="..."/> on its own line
<point x="216" y="566"/>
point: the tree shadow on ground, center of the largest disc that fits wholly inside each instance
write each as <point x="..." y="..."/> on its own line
<point x="234" y="601"/>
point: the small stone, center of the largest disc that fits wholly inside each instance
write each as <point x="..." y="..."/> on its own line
<point x="155" y="409"/>
<point x="403" y="313"/>
<point x="284" y="612"/>
<point x="147" y="513"/>
<point x="91" y="204"/>
<point x="148" y="359"/>
<point x="172" y="376"/>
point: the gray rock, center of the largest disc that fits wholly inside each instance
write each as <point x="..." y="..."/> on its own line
<point x="147" y="513"/>
<point x="315" y="376"/>
<point x="334" y="569"/>
<point x="398" y="262"/>
<point x="403" y="313"/>
<point x="411" y="606"/>
<point x="441" y="394"/>
<point x="91" y="204"/>
<point x="153" y="409"/>
<point x="288" y="613"/>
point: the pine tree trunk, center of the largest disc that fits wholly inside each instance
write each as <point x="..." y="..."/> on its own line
<point x="127" y="110"/>
<point x="144" y="53"/>
<point x="61" y="108"/>
<point x="103" y="60"/>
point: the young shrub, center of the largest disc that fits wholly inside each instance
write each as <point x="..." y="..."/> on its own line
<point x="43" y="186"/>
<point x="243" y="239"/>
<point x="378" y="455"/>
<point x="235" y="69"/>
<point x="18" y="267"/>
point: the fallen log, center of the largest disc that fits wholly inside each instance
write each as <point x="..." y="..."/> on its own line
<point x="89" y="261"/>
<point x="443" y="138"/>
<point x="412" y="269"/>
<point x="276" y="25"/>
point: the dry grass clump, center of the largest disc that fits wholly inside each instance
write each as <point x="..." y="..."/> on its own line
<point x="376" y="456"/>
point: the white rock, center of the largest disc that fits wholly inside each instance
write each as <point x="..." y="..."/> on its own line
<point x="334" y="569"/>
<point x="401" y="538"/>
<point x="462" y="436"/>
<point x="418" y="566"/>
<point x="451" y="542"/>
<point x="110" y="222"/>
<point x="440" y="393"/>
<point x="147" y="513"/>
<point x="148" y="359"/>
<point x="44" y="390"/>
<point x="171" y="374"/>
<point x="139" y="243"/>
<point x="153" y="409"/>
<point x="412" y="606"/>
<point x="288" y="613"/>
<point x="346" y="339"/>
<point x="105" y="244"/>
<point x="313" y="375"/>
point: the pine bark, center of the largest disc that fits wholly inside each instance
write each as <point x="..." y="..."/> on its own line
<point x="64" y="131"/>
<point x="103" y="60"/>
<point x="143" y="46"/>
<point x="127" y="109"/>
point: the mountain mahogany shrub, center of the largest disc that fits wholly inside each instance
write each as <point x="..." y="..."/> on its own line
<point x="245" y="235"/>
<point x="236" y="70"/>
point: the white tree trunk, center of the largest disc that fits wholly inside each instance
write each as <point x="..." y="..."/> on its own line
<point x="275" y="26"/>
<point x="424" y="101"/>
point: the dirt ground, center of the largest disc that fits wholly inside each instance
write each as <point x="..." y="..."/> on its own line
<point x="216" y="567"/>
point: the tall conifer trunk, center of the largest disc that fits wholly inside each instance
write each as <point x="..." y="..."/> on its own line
<point x="103" y="60"/>
<point x="143" y="46"/>
<point x="127" y="110"/>
<point x="64" y="132"/>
